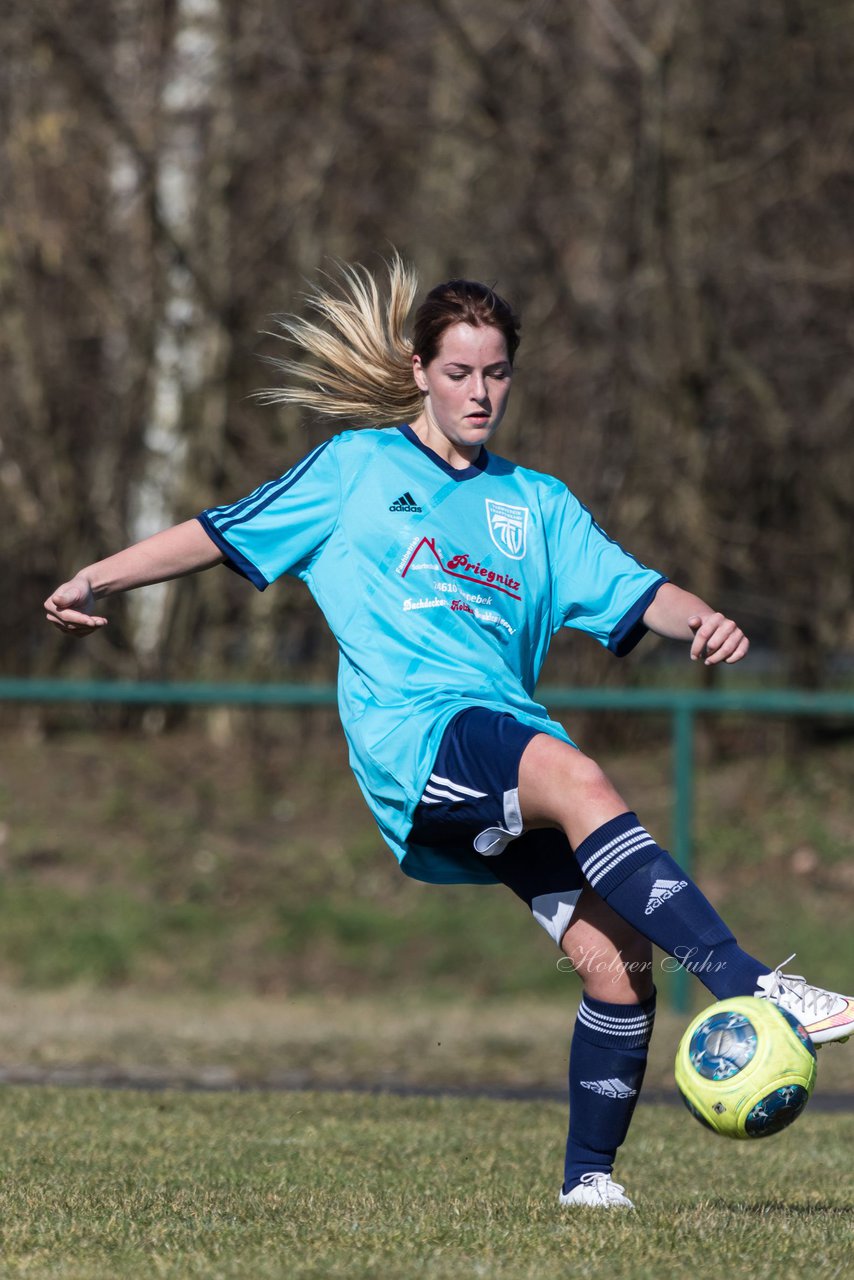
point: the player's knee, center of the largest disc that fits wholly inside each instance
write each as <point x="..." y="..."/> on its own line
<point x="584" y="780"/>
<point x="559" y="784"/>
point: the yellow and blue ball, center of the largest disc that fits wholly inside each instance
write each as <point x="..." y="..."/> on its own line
<point x="745" y="1068"/>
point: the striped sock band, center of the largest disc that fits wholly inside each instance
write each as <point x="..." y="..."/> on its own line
<point x="628" y="1026"/>
<point x="614" y="851"/>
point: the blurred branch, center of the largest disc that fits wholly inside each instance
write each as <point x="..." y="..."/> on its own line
<point x="493" y="100"/>
<point x="63" y="40"/>
<point x="808" y="274"/>
<point x="615" y="24"/>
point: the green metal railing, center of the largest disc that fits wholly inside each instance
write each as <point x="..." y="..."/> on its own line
<point x="681" y="705"/>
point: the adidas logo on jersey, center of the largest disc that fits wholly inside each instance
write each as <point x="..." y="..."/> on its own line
<point x="612" y="1088"/>
<point x="405" y="502"/>
<point x="661" y="891"/>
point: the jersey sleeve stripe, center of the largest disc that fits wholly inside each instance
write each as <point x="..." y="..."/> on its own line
<point x="232" y="508"/>
<point x="234" y="559"/>
<point x="240" y="511"/>
<point x="630" y="630"/>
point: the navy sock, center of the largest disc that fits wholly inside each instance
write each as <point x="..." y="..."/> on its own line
<point x="647" y="888"/>
<point x="607" y="1062"/>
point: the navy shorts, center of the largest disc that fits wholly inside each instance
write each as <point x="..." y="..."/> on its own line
<point x="472" y="797"/>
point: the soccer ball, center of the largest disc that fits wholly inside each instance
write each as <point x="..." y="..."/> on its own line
<point x="745" y="1068"/>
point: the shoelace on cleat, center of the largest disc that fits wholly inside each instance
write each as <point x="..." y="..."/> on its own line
<point x="793" y="984"/>
<point x="603" y="1185"/>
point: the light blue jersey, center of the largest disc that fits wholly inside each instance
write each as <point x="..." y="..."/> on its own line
<point x="443" y="589"/>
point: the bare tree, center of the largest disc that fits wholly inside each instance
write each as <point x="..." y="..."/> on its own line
<point x="662" y="188"/>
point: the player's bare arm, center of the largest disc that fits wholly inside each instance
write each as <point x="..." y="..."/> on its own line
<point x="680" y="615"/>
<point x="174" y="553"/>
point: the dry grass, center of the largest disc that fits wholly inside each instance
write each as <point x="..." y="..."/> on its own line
<point x="317" y="1041"/>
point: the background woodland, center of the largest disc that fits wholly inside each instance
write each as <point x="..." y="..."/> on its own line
<point x="663" y="189"/>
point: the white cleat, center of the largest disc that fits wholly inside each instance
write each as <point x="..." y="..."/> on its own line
<point x="824" y="1015"/>
<point x="597" y="1191"/>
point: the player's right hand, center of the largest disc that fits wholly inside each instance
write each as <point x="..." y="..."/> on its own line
<point x="69" y="608"/>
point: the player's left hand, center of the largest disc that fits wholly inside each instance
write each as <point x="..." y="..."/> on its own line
<point x="71" y="608"/>
<point x="717" y="639"/>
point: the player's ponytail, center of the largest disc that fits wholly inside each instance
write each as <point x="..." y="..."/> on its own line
<point x="359" y="364"/>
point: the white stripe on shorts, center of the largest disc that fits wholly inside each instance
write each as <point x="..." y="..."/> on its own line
<point x="456" y="786"/>
<point x="441" y="793"/>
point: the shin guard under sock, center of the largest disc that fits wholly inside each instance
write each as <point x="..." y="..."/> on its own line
<point x="606" y="1068"/>
<point x="647" y="888"/>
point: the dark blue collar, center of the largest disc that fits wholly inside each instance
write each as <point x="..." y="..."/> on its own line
<point x="467" y="473"/>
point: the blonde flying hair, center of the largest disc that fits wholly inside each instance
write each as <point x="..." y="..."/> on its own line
<point x="359" y="364"/>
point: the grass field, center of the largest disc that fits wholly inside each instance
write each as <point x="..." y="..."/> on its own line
<point x="103" y="1186"/>
<point x="110" y="1184"/>
<point x="177" y="910"/>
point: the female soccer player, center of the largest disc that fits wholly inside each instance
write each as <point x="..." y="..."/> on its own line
<point x="443" y="571"/>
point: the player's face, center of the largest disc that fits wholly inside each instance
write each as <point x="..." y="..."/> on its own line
<point x="466" y="387"/>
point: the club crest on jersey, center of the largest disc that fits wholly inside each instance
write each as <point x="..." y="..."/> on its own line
<point x="508" y="527"/>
